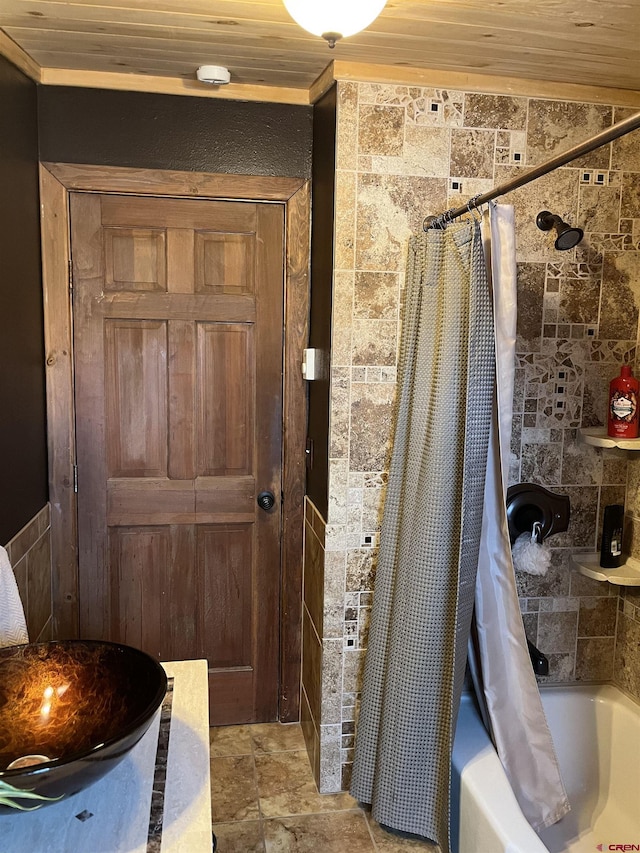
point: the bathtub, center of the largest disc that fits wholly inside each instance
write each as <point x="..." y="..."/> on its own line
<point x="596" y="732"/>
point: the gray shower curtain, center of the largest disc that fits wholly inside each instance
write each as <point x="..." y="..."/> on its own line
<point x="425" y="581"/>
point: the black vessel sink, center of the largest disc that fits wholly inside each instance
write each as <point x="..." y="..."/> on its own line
<point x="69" y="712"/>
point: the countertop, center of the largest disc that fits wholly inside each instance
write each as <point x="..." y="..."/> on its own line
<point x="140" y="807"/>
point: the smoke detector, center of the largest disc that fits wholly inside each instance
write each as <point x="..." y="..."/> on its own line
<point x="216" y="75"/>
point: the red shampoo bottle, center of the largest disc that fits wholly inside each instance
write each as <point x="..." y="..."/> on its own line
<point x="623" y="405"/>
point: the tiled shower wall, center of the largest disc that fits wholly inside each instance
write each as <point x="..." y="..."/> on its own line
<point x="404" y="153"/>
<point x="627" y="654"/>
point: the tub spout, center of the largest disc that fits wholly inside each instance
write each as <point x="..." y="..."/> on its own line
<point x="539" y="661"/>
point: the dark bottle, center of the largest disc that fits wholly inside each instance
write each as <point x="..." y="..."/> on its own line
<point x="611" y="555"/>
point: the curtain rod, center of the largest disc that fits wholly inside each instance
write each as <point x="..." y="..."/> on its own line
<point x="620" y="129"/>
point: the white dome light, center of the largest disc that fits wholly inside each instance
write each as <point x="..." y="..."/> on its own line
<point x="334" y="19"/>
<point x="216" y="75"/>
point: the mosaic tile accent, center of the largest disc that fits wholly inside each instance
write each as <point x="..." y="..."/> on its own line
<point x="156" y="815"/>
<point x="357" y="613"/>
<point x="433" y="107"/>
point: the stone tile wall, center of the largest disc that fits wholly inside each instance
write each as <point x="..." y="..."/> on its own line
<point x="30" y="556"/>
<point x="404" y="153"/>
<point x="626" y="667"/>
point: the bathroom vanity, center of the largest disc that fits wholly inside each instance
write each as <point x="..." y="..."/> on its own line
<point x="157" y="799"/>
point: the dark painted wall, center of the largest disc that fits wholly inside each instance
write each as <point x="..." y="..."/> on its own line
<point x="23" y="461"/>
<point x="109" y="128"/>
<point x="323" y="193"/>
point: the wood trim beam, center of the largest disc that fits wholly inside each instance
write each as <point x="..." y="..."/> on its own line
<point x="171" y="86"/>
<point x="296" y="323"/>
<point x="54" y="212"/>
<point x="20" y="58"/>
<point x="490" y="84"/>
<point x="338" y="70"/>
<point x="322" y="83"/>
<point x="114" y="179"/>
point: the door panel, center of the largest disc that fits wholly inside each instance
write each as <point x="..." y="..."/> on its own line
<point x="170" y="213"/>
<point x="224" y="263"/>
<point x="135" y="259"/>
<point x="227" y="595"/>
<point x="181" y="368"/>
<point x="178" y="317"/>
<point x="152" y="592"/>
<point x="136" y="398"/>
<point x="220" y="309"/>
<point x="225" y="434"/>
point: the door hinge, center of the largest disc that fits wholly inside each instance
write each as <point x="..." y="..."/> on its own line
<point x="75" y="479"/>
<point x="70" y="276"/>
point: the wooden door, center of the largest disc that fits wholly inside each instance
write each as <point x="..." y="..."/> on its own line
<point x="178" y="324"/>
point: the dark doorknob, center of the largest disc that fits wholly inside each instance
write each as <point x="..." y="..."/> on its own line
<point x="266" y="500"/>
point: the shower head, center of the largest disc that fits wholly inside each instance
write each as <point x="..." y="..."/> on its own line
<point x="568" y="236"/>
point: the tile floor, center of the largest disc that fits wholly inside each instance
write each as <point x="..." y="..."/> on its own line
<point x="264" y="799"/>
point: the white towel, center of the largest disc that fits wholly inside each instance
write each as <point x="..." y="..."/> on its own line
<point x="13" y="627"/>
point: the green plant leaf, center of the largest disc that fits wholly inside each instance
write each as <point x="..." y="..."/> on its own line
<point x="9" y="793"/>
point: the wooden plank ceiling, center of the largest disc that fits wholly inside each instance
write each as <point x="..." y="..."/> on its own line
<point x="589" y="42"/>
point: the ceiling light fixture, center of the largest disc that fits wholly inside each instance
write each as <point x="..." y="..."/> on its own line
<point x="334" y="19"/>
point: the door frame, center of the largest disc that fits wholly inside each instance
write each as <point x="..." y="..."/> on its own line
<point x="57" y="180"/>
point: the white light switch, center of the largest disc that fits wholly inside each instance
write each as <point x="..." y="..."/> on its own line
<point x="313" y="364"/>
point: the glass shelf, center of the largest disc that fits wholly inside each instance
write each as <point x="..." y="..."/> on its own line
<point x="597" y="436"/>
<point x="628" y="574"/>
